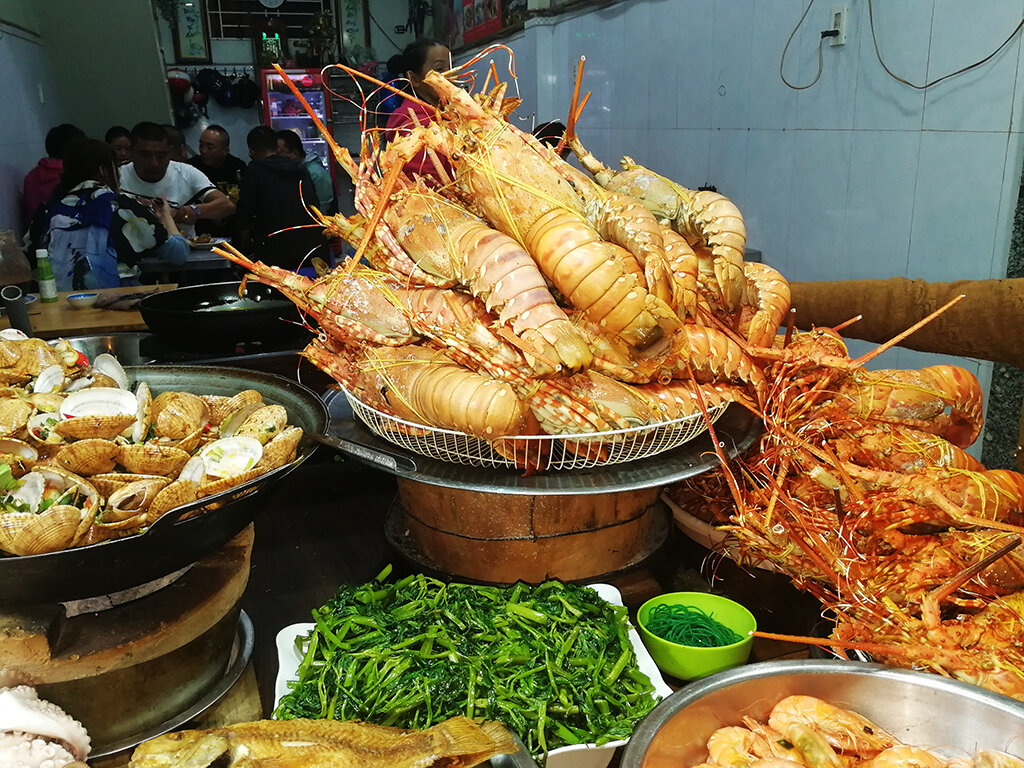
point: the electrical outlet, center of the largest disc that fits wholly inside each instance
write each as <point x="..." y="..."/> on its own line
<point x="837" y="21"/>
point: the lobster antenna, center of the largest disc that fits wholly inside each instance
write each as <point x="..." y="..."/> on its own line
<point x="848" y="323"/>
<point x="901" y="336"/>
<point x="570" y="128"/>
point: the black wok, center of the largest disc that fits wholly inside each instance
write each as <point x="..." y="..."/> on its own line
<point x="214" y="315"/>
<point x="111" y="566"/>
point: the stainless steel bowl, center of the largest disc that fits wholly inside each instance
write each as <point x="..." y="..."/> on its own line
<point x="918" y="708"/>
<point x="126" y="347"/>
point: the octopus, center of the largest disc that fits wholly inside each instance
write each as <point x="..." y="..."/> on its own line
<point x="35" y="733"/>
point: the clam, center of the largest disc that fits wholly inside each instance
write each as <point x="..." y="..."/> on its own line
<point x="91" y="456"/>
<point x="97" y="412"/>
<point x="18" y="455"/>
<point x="12" y="334"/>
<point x="40" y="428"/>
<point x="222" y="407"/>
<point x="133" y="499"/>
<point x="50" y="379"/>
<point x="29" y="492"/>
<point x="108" y="482"/>
<point x="144" y="399"/>
<point x="182" y="491"/>
<point x="14" y="416"/>
<point x="61" y="480"/>
<point x="108" y="366"/>
<point x="233" y="421"/>
<point x="49" y="531"/>
<point x="153" y="459"/>
<point x="231" y="456"/>
<point x="179" y="414"/>
<point x="280" y="450"/>
<point x="222" y="484"/>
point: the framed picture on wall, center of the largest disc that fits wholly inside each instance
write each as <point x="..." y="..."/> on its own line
<point x="191" y="33"/>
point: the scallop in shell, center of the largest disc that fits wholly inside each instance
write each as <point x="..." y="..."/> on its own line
<point x="231" y="456"/>
<point x="40" y="428"/>
<point x="97" y="412"/>
<point x="91" y="456"/>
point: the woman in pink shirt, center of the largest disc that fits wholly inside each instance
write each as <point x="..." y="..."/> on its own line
<point x="418" y="58"/>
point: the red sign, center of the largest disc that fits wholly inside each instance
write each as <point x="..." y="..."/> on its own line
<point x="480" y="19"/>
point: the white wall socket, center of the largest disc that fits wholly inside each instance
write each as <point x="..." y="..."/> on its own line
<point x="837" y="20"/>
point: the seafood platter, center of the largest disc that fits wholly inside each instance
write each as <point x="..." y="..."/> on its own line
<point x="506" y="309"/>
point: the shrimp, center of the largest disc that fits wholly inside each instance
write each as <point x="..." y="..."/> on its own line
<point x="904" y="756"/>
<point x="840" y="728"/>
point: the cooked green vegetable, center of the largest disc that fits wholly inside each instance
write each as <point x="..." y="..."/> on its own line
<point x="553" y="662"/>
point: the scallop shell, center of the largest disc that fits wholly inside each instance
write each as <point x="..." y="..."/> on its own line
<point x="49" y="402"/>
<point x="14" y="416"/>
<point x="91" y="456"/>
<point x="107" y="365"/>
<point x="35" y="355"/>
<point x="50" y="379"/>
<point x="280" y="450"/>
<point x="97" y="412"/>
<point x="9" y="352"/>
<point x="179" y="414"/>
<point x="152" y="459"/>
<point x="231" y="456"/>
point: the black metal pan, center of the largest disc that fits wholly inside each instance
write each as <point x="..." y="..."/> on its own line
<point x="213" y="315"/>
<point x="111" y="566"/>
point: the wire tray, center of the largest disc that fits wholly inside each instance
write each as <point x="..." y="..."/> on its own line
<point x="546" y="452"/>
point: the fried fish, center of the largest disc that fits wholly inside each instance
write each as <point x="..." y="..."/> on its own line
<point x="456" y="743"/>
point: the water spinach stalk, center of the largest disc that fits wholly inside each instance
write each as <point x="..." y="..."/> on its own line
<point x="553" y="661"/>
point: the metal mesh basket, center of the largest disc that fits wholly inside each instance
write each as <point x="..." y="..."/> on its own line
<point x="546" y="452"/>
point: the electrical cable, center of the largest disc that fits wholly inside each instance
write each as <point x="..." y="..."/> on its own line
<point x="897" y="78"/>
<point x="782" y="61"/>
<point x="377" y="24"/>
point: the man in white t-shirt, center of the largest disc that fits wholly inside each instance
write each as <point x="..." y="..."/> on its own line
<point x="152" y="174"/>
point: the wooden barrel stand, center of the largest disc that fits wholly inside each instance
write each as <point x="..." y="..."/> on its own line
<point x="503" y="538"/>
<point x="127" y="669"/>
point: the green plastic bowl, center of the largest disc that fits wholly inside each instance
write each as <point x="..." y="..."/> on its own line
<point x="688" y="662"/>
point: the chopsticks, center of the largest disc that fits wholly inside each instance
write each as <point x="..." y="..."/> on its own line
<point x="148" y="198"/>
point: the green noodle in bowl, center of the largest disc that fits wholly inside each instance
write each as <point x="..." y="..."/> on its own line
<point x="695" y="634"/>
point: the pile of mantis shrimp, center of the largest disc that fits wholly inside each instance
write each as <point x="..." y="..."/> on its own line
<point x="508" y="293"/>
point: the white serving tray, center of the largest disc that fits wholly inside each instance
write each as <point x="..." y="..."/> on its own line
<point x="574" y="756"/>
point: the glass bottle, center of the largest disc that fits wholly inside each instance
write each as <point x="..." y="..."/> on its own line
<point x="47" y="282"/>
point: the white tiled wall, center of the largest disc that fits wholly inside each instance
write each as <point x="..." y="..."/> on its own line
<point x="858" y="176"/>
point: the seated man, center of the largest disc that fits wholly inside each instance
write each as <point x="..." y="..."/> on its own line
<point x="153" y="174"/>
<point x="222" y="168"/>
<point x="290" y="145"/>
<point x="270" y="205"/>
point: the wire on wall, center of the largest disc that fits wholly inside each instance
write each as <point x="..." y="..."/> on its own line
<point x="936" y="81"/>
<point x="782" y="61"/>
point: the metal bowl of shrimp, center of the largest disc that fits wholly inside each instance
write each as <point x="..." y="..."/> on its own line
<point x="829" y="713"/>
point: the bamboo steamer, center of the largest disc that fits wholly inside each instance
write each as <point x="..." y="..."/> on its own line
<point x="501" y="539"/>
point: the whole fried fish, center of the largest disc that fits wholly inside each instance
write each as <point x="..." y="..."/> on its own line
<point x="456" y="743"/>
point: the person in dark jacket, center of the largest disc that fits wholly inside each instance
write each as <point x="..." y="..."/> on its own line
<point x="270" y="205"/>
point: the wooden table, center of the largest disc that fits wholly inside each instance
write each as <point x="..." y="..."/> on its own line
<point x="58" y="319"/>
